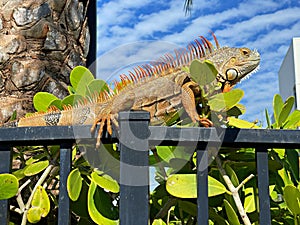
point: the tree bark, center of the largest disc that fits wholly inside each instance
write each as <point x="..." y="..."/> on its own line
<point x="40" y="42"/>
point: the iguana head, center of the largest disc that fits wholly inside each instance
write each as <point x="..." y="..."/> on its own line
<point x="233" y="64"/>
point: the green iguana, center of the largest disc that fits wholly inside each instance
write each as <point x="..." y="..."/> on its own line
<point x="159" y="88"/>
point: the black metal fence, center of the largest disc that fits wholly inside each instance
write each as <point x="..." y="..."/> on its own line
<point x="135" y="137"/>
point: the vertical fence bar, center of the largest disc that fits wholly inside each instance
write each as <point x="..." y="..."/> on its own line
<point x="64" y="201"/>
<point x="92" y="24"/>
<point x="134" y="170"/>
<point x="202" y="187"/>
<point x="5" y="167"/>
<point x="263" y="185"/>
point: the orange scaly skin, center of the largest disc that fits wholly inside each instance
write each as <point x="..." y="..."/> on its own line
<point x="160" y="89"/>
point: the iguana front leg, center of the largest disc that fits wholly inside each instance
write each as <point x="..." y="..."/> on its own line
<point x="188" y="102"/>
<point x="109" y="113"/>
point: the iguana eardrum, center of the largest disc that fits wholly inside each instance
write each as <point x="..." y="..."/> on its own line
<point x="159" y="88"/>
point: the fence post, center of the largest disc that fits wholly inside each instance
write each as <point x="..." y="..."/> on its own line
<point x="134" y="167"/>
<point x="5" y="167"/>
<point x="263" y="185"/>
<point x="202" y="187"/>
<point x="64" y="201"/>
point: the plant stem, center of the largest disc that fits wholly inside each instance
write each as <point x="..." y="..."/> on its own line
<point x="234" y="190"/>
<point x="39" y="183"/>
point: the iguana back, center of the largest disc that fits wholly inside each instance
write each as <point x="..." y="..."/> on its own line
<point x="159" y="88"/>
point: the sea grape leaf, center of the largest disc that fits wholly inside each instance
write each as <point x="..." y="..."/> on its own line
<point x="40" y="205"/>
<point x="57" y="103"/>
<point x="74" y="184"/>
<point x="96" y="86"/>
<point x="232" y="175"/>
<point x="96" y="216"/>
<point x="236" y="110"/>
<point x="72" y="100"/>
<point x="165" y="152"/>
<point x="293" y="121"/>
<point x="225" y="101"/>
<point x="71" y="90"/>
<point x="292" y="198"/>
<point x="249" y="203"/>
<point x="231" y="215"/>
<point x="189" y="207"/>
<point x="203" y="72"/>
<point x="286" y="110"/>
<point x="41" y="199"/>
<point x="293" y="159"/>
<point x="184" y="186"/>
<point x="8" y="186"/>
<point x="80" y="77"/>
<point x="239" y="123"/>
<point x="268" y="118"/>
<point x="277" y="106"/>
<point x="42" y="101"/>
<point x="105" y="181"/>
<point x="34" y="215"/>
<point x="36" y="168"/>
<point x="158" y="222"/>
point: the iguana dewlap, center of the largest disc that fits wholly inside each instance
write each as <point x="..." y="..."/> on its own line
<point x="160" y="89"/>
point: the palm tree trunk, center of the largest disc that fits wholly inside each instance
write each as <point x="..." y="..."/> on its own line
<point x="40" y="42"/>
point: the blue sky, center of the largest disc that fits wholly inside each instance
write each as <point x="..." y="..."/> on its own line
<point x="135" y="31"/>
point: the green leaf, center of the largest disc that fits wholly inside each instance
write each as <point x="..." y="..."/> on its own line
<point x="57" y="103"/>
<point x="189" y="207"/>
<point x="71" y="100"/>
<point x="239" y="123"/>
<point x="35" y="168"/>
<point x="277" y="106"/>
<point x="40" y="205"/>
<point x="19" y="174"/>
<point x="293" y="121"/>
<point x="40" y="199"/>
<point x="80" y="207"/>
<point x="105" y="181"/>
<point x="158" y="222"/>
<point x="36" y="158"/>
<point x="285" y="177"/>
<point x="96" y="216"/>
<point x="184" y="186"/>
<point x="236" y="110"/>
<point x="249" y="203"/>
<point x="74" y="184"/>
<point x="8" y="186"/>
<point x="231" y="215"/>
<point x="268" y="118"/>
<point x="293" y="159"/>
<point x="96" y="86"/>
<point x="225" y="101"/>
<point x="80" y="77"/>
<point x="34" y="215"/>
<point x="286" y="110"/>
<point x="292" y="198"/>
<point x="42" y="101"/>
<point x="165" y="152"/>
<point x="203" y="72"/>
<point x="232" y="175"/>
<point x="13" y="116"/>
<point x="71" y="90"/>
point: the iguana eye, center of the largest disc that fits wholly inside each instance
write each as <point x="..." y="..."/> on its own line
<point x="231" y="74"/>
<point x="245" y="51"/>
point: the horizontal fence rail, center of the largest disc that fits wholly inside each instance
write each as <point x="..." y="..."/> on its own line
<point x="135" y="137"/>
